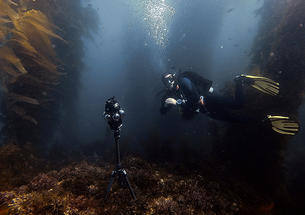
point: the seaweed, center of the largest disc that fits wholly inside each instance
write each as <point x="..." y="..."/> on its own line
<point x="41" y="52"/>
<point x="28" y="69"/>
<point x="277" y="53"/>
<point x="80" y="189"/>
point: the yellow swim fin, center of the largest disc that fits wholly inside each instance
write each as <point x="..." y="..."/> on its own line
<point x="284" y="125"/>
<point x="263" y="84"/>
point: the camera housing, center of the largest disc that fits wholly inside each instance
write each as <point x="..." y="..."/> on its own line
<point x="113" y="113"/>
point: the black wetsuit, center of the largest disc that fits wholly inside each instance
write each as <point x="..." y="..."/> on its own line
<point x="192" y="86"/>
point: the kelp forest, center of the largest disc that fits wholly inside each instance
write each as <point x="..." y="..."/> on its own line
<point x="277" y="53"/>
<point x="44" y="169"/>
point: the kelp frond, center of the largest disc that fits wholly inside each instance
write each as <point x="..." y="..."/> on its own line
<point x="22" y="113"/>
<point x="7" y="56"/>
<point x="29" y="35"/>
<point x="27" y="60"/>
<point x="6" y="9"/>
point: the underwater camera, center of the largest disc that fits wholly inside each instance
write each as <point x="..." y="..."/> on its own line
<point x="113" y="114"/>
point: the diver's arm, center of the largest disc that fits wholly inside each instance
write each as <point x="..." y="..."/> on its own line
<point x="201" y="83"/>
<point x="189" y="91"/>
<point x="170" y="102"/>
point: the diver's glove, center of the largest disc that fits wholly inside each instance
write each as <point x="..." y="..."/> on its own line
<point x="170" y="101"/>
<point x="284" y="125"/>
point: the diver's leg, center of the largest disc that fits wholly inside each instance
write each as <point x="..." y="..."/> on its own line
<point x="215" y="101"/>
<point x="225" y="115"/>
<point x="239" y="94"/>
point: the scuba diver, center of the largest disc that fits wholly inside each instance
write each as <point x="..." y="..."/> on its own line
<point x="193" y="94"/>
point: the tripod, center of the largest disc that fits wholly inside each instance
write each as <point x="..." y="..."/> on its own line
<point x="119" y="171"/>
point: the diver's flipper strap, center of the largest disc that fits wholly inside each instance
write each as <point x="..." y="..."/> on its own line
<point x="284" y="125"/>
<point x="263" y="84"/>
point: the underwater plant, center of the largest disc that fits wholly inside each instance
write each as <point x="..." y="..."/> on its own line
<point x="80" y="189"/>
<point x="41" y="52"/>
<point x="75" y="22"/>
<point x="40" y="71"/>
<point x="280" y="53"/>
<point x="28" y="69"/>
<point x="277" y="53"/>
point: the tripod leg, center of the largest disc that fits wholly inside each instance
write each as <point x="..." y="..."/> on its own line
<point x="110" y="185"/>
<point x="129" y="187"/>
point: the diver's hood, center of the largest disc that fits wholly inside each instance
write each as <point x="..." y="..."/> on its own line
<point x="169" y="80"/>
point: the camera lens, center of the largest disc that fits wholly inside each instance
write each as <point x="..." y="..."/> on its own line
<point x="116" y="117"/>
<point x="107" y="116"/>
